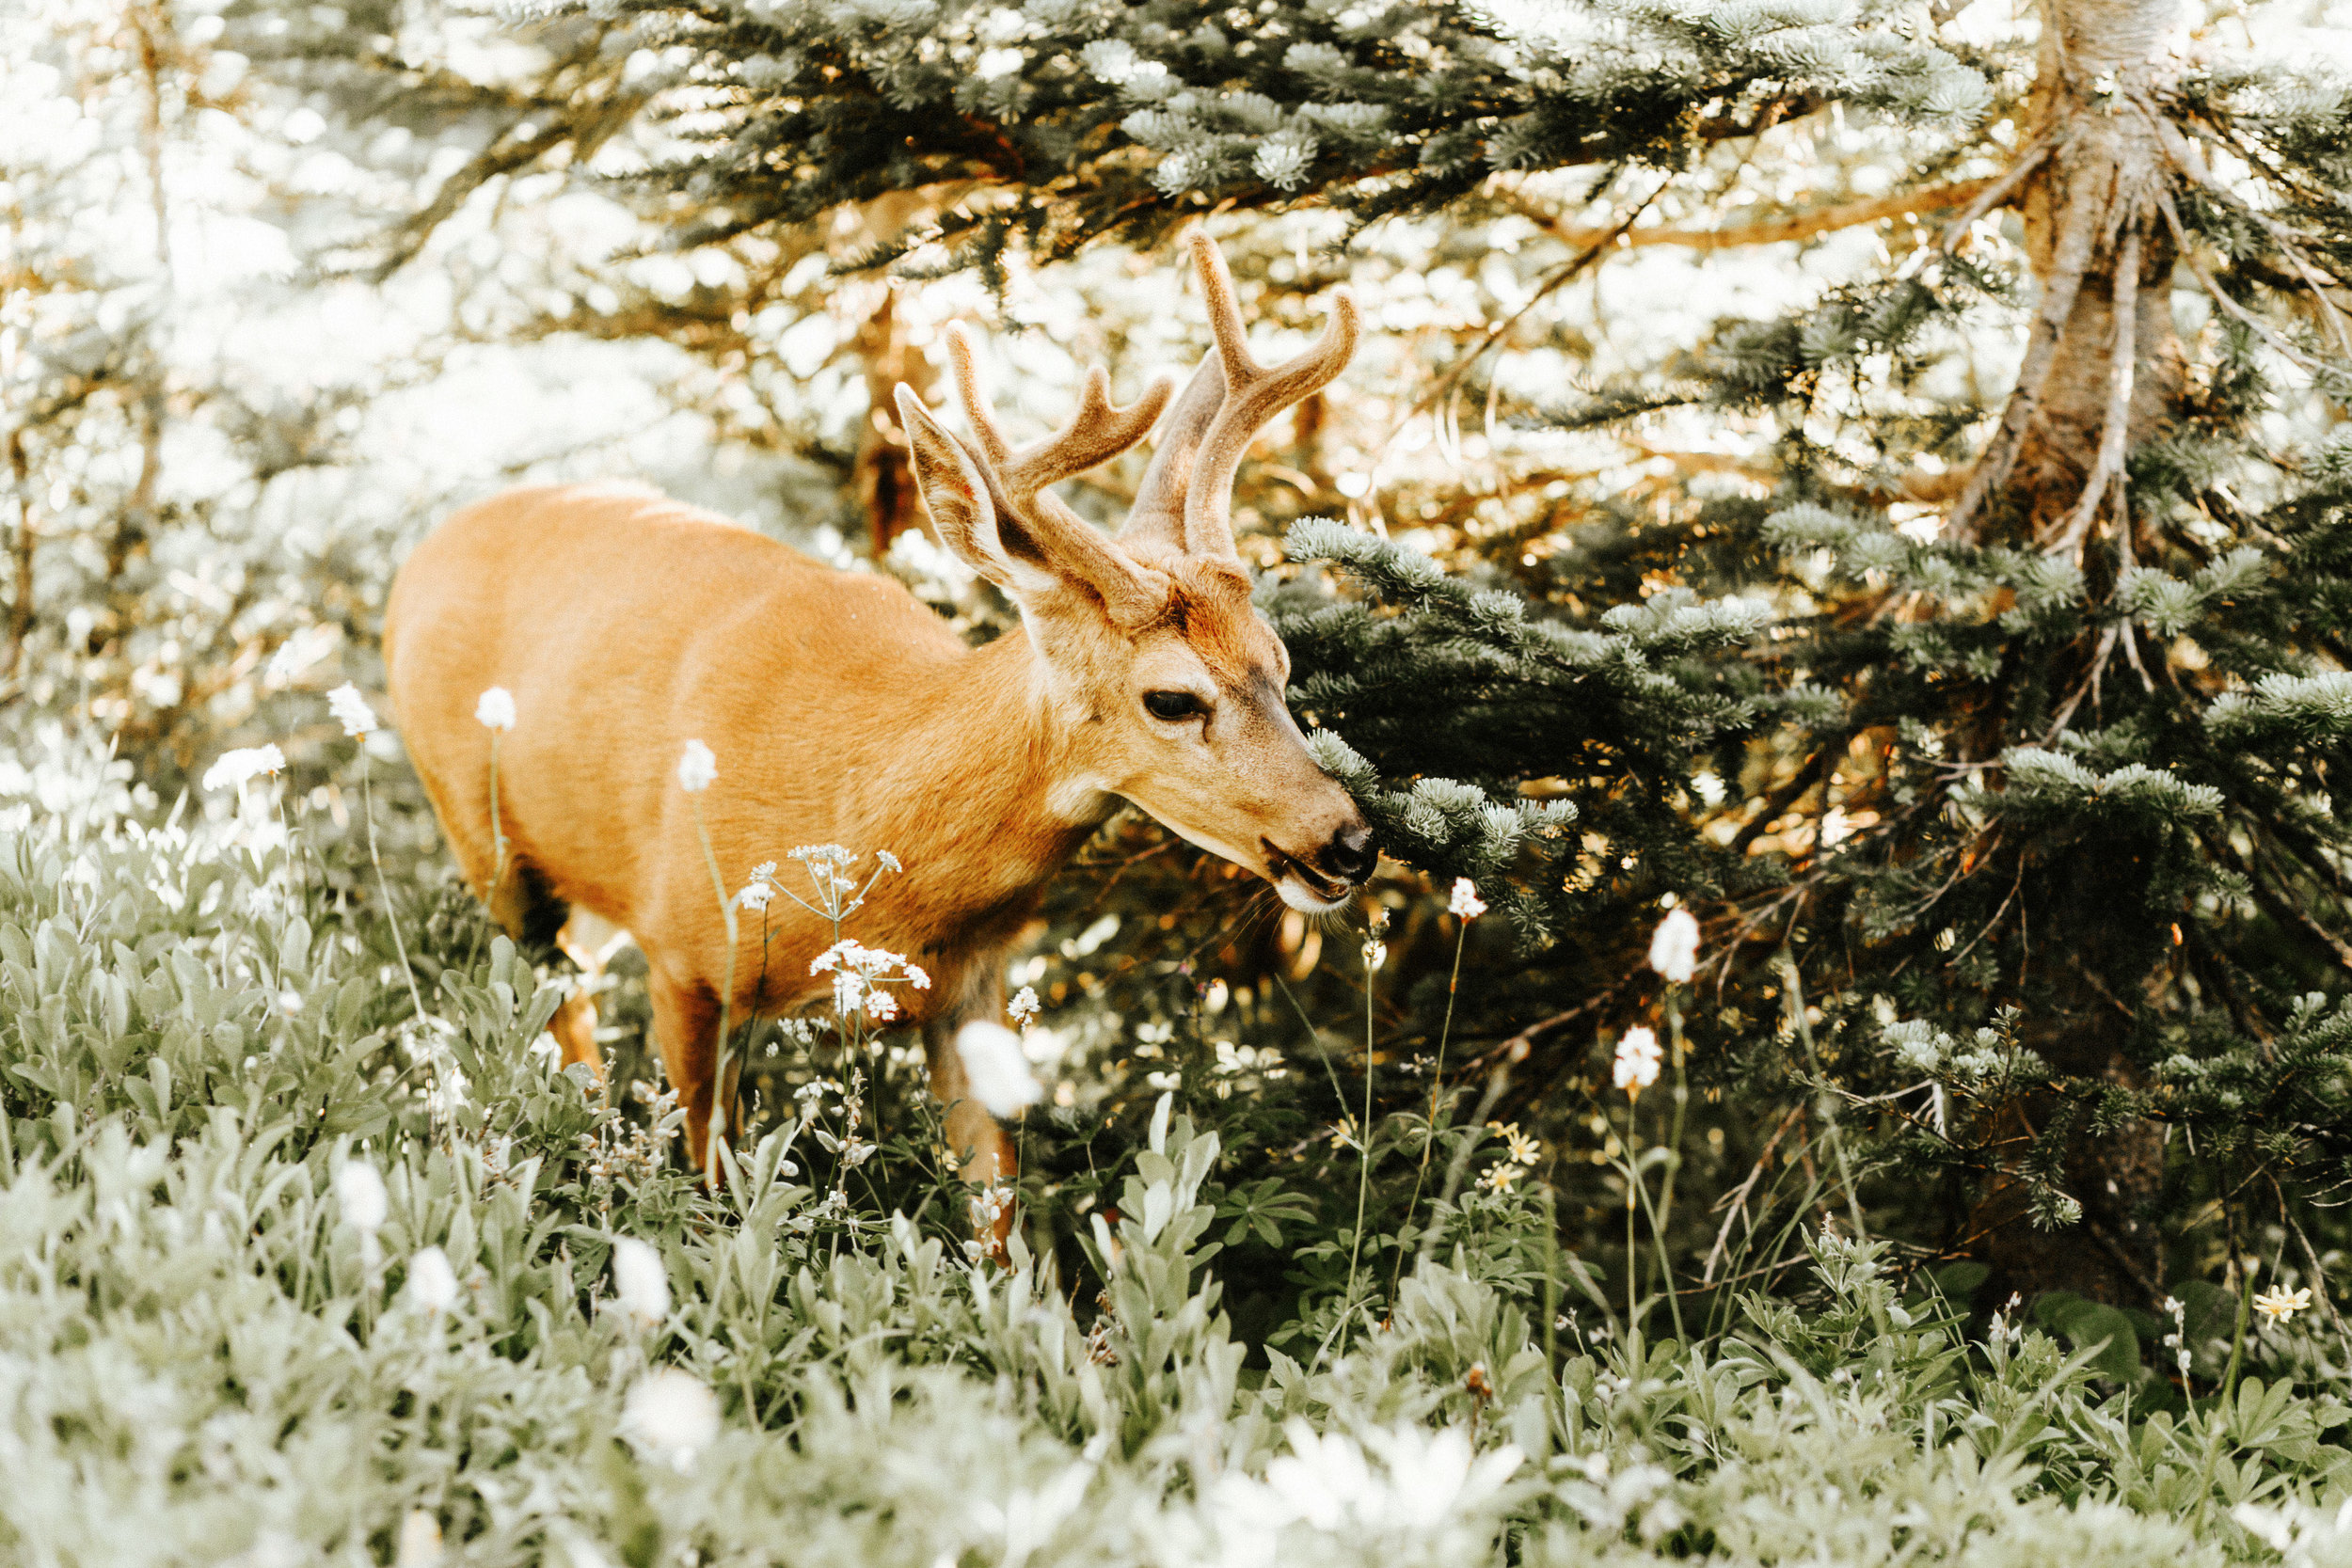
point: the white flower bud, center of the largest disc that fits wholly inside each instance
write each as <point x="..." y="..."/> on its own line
<point x="994" y="1069"/>
<point x="640" y="1282"/>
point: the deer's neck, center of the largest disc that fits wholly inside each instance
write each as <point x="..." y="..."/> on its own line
<point x="983" y="796"/>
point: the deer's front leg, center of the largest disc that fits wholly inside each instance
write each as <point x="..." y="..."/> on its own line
<point x="982" y="1153"/>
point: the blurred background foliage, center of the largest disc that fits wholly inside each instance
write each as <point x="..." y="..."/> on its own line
<point x="1646" y="500"/>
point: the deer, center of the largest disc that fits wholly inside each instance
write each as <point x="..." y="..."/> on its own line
<point x="839" y="708"/>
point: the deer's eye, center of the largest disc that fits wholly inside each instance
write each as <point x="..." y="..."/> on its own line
<point x="1173" y="704"/>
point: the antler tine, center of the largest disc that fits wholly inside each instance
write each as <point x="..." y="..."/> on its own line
<point x="1254" y="393"/>
<point x="1099" y="431"/>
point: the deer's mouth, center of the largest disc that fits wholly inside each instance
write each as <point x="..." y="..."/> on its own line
<point x="1300" y="885"/>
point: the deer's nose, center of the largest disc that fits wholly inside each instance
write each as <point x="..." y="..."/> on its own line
<point x="1351" y="854"/>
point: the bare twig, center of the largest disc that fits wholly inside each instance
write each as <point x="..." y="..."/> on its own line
<point x="2180" y="237"/>
<point x="1794" y="226"/>
<point x="2193" y="169"/>
<point x="1737" y="1200"/>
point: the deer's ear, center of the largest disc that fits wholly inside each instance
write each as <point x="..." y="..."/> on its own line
<point x="957" y="498"/>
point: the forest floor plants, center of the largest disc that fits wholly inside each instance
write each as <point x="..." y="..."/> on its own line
<point x="266" y="1297"/>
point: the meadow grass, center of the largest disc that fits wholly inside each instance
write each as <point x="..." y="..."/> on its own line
<point x="213" y="1350"/>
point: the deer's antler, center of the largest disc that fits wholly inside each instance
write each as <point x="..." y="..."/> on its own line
<point x="1097" y="431"/>
<point x="1187" y="493"/>
<point x="1018" y="479"/>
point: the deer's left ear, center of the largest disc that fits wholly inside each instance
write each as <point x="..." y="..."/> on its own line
<point x="956" y="495"/>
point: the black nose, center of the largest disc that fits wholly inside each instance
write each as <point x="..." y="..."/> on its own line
<point x="1351" y="854"/>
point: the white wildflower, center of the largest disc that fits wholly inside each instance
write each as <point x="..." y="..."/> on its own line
<point x="889" y="861"/>
<point x="236" y="769"/>
<point x="993" y="63"/>
<point x="1406" y="1478"/>
<point x="432" y="1283"/>
<point x="420" y="1541"/>
<point x="880" y="1005"/>
<point x="1466" y="902"/>
<point x="640" y="1282"/>
<point x="1674" y="952"/>
<point x="848" y="987"/>
<point x="670" y="1414"/>
<point x="759" y="890"/>
<point x="2282" y="1304"/>
<point x="359" y="1191"/>
<point x="918" y="977"/>
<point x="1499" y="1179"/>
<point x="345" y="703"/>
<point x="1111" y="60"/>
<point x="1638" y="1056"/>
<point x="697" y="769"/>
<point x="496" y="710"/>
<point x="994" y="1069"/>
<point x="1022" y="1008"/>
<point x="1375" y="953"/>
<point x="1284" y="159"/>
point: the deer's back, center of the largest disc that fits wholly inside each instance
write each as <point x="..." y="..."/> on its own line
<point x="625" y="624"/>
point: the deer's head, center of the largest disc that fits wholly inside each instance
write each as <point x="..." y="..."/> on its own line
<point x="1169" y="682"/>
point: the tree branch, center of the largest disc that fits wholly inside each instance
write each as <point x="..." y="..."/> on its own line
<point x="1796" y="225"/>
<point x="2071" y="261"/>
<point x="2108" y="467"/>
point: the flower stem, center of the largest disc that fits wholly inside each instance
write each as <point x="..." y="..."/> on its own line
<point x="1437" y="1088"/>
<point x="1363" y="1183"/>
<point x="1662" y="1210"/>
<point x="367" y="808"/>
<point x="497" y="851"/>
<point x="1633" y="1198"/>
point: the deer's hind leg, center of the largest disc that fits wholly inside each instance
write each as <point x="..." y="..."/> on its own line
<point x="686" y="1027"/>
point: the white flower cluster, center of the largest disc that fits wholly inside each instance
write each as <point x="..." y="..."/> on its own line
<point x="995" y="1068"/>
<point x="1394" y="1493"/>
<point x="697" y="769"/>
<point x="672" y="1416"/>
<point x="236" y="768"/>
<point x="359" y="1192"/>
<point x="859" y="974"/>
<point x="496" y="710"/>
<point x="1466" y="904"/>
<point x="640" y="1282"/>
<point x="1674" y="951"/>
<point x="760" y="890"/>
<point x="1522" y="1152"/>
<point x="346" y="705"/>
<point x="1636" y="1067"/>
<point x="1921" y="1047"/>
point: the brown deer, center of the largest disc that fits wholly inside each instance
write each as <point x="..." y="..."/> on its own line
<point x="840" y="709"/>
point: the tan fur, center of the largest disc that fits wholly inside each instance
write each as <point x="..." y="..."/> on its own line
<point x="841" y="710"/>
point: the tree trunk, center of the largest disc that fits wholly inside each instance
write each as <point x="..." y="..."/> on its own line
<point x="884" y="477"/>
<point x="2103" y="372"/>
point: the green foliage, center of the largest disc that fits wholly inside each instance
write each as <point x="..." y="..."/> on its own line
<point x="212" y="1347"/>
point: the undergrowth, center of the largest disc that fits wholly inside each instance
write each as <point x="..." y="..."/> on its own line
<point x="222" y="1341"/>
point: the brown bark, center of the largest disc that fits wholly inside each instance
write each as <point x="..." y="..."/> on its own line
<point x="2103" y="373"/>
<point x="884" y="475"/>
